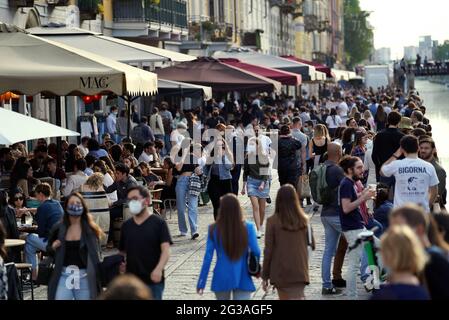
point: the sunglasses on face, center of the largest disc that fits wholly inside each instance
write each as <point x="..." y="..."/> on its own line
<point x="18" y="198"/>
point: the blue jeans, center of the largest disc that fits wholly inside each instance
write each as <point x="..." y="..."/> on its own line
<point x="73" y="284"/>
<point x="332" y="232"/>
<point x="183" y="200"/>
<point x="167" y="145"/>
<point x="236" y="295"/>
<point x="235" y="178"/>
<point x="32" y="245"/>
<point x="157" y="290"/>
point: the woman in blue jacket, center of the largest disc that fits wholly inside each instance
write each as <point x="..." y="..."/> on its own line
<point x="232" y="238"/>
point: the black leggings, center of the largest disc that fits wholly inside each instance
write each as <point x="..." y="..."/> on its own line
<point x="288" y="177"/>
<point x="216" y="189"/>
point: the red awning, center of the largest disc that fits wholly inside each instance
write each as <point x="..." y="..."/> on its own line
<point x="221" y="77"/>
<point x="284" y="77"/>
<point x="318" y="66"/>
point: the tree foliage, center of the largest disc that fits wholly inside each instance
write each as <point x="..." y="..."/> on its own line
<point x="442" y="51"/>
<point x="358" y="34"/>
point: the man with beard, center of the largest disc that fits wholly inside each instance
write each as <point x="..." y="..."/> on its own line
<point x="145" y="242"/>
<point x="350" y="216"/>
<point x="427" y="153"/>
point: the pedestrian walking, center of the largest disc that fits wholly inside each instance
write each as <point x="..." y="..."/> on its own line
<point x="286" y="265"/>
<point x="233" y="239"/>
<point x="145" y="242"/>
<point x="256" y="181"/>
<point x="74" y="243"/>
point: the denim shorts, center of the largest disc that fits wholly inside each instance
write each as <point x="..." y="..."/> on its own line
<point x="253" y="188"/>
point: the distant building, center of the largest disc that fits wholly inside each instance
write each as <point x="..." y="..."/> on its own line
<point x="382" y="56"/>
<point x="426" y="47"/>
<point x="410" y="53"/>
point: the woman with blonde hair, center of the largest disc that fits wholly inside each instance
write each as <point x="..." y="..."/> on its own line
<point x="285" y="264"/>
<point x="405" y="258"/>
<point x="369" y="118"/>
<point x="97" y="201"/>
<point x="319" y="142"/>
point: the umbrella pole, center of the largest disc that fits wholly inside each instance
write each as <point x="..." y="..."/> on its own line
<point x="58" y="123"/>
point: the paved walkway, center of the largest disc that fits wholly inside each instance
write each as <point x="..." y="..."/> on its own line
<point x="186" y="258"/>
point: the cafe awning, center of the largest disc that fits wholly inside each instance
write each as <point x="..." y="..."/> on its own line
<point x="340" y="75"/>
<point x="16" y="127"/>
<point x="168" y="87"/>
<point x="94" y="43"/>
<point x="284" y="77"/>
<point x="308" y="73"/>
<point x="221" y="77"/>
<point x="30" y="65"/>
<point x="318" y="66"/>
<point x="113" y="48"/>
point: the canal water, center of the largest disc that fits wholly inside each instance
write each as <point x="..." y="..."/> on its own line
<point x="436" y="100"/>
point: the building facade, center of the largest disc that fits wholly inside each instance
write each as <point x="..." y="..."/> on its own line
<point x="319" y="29"/>
<point x="426" y="47"/>
<point x="410" y="53"/>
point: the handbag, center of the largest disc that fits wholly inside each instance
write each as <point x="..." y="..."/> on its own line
<point x="254" y="266"/>
<point x="46" y="268"/>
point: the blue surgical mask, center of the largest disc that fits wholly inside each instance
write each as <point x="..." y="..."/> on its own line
<point x="75" y="210"/>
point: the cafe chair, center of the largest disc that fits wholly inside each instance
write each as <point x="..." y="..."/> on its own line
<point x="25" y="269"/>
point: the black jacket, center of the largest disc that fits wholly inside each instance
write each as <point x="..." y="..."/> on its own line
<point x="90" y="248"/>
<point x="386" y="143"/>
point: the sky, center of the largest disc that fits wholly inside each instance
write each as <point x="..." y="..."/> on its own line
<point x="399" y="23"/>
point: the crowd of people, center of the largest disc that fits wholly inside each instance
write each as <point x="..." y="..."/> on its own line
<point x="366" y="158"/>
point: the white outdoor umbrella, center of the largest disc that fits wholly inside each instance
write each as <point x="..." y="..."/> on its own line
<point x="16" y="127"/>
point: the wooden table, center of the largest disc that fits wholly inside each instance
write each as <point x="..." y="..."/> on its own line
<point x="14" y="243"/>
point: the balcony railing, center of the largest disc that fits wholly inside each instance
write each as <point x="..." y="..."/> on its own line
<point x="168" y="12"/>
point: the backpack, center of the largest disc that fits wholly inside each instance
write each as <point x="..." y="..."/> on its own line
<point x="167" y="123"/>
<point x="321" y="193"/>
<point x="137" y="134"/>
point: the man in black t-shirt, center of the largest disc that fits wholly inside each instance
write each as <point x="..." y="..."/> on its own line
<point x="145" y="242"/>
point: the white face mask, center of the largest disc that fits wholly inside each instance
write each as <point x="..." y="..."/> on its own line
<point x="135" y="207"/>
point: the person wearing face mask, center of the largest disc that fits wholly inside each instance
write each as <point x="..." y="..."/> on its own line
<point x="179" y="118"/>
<point x="47" y="215"/>
<point x="74" y="243"/>
<point x="213" y="121"/>
<point x="256" y="180"/>
<point x="145" y="242"/>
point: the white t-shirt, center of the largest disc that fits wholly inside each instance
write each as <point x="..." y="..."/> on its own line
<point x="331" y="124"/>
<point x="145" y="157"/>
<point x="414" y="177"/>
<point x="343" y="110"/>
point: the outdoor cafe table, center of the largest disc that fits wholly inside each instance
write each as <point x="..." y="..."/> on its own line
<point x="14" y="243"/>
<point x="27" y="228"/>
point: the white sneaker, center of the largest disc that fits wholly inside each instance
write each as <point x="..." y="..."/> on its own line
<point x="259" y="234"/>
